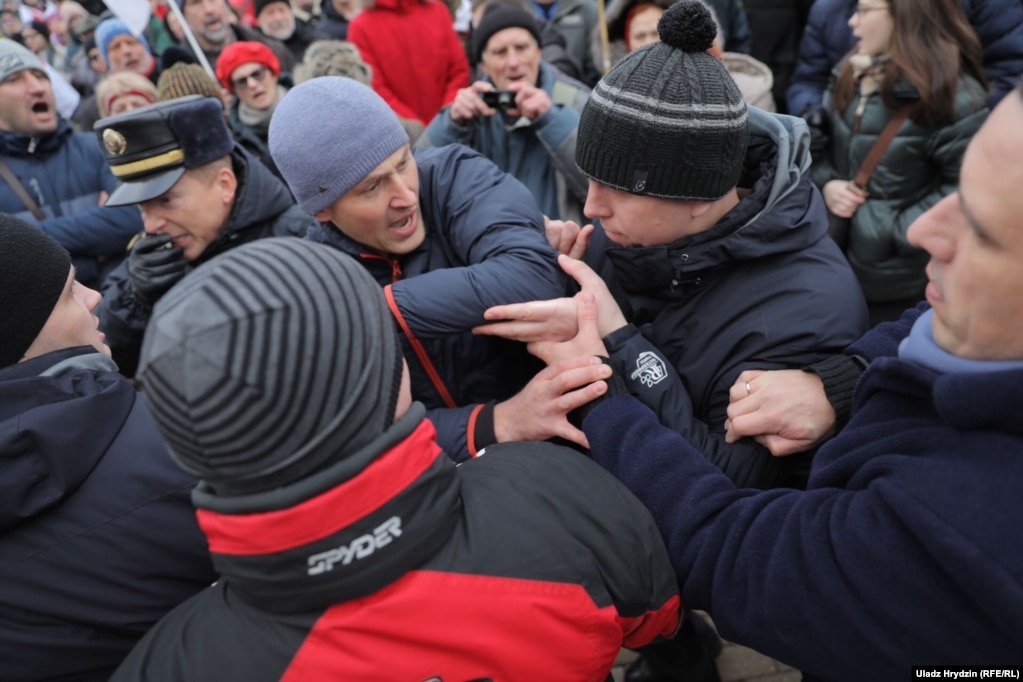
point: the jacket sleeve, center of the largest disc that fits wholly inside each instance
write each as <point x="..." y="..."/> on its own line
<point x="444" y="131"/>
<point x="748" y="556"/>
<point x="123" y="316"/>
<point x="814" y="66"/>
<point x="651" y="378"/>
<point x="492" y="231"/>
<point x="358" y="35"/>
<point x="557" y="130"/>
<point x="999" y="26"/>
<point x="456" y="427"/>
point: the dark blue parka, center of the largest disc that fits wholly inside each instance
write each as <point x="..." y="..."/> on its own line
<point x="65" y="173"/>
<point x="765" y="288"/>
<point x="485" y="246"/>
<point x="98" y="536"/>
<point x="827" y="38"/>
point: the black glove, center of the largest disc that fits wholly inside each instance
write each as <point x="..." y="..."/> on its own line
<point x="820" y="135"/>
<point x="155" y="266"/>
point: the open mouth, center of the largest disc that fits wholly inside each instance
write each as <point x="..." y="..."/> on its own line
<point x="40" y="108"/>
<point x="404" y="226"/>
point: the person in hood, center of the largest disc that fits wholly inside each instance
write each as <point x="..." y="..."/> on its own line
<point x="199" y="192"/>
<point x="714" y="242"/>
<point x="335" y="16"/>
<point x="98" y="538"/>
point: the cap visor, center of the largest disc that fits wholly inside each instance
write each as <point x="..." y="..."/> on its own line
<point x="128" y="193"/>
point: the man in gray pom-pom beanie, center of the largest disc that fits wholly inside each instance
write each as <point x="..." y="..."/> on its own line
<point x="349" y="545"/>
<point x="447" y="234"/>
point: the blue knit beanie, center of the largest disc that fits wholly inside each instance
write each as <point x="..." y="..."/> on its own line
<point x="327" y="134"/>
<point x="109" y="29"/>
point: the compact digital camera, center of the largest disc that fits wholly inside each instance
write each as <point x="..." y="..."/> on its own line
<point x="502" y="100"/>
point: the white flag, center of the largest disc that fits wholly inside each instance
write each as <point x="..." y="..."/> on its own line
<point x="134" y="13"/>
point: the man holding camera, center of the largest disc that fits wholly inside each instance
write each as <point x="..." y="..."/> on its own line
<point x="522" y="114"/>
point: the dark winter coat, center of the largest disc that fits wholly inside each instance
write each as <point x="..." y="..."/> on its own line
<point x="827" y="38"/>
<point x="919" y="168"/>
<point x="905" y="547"/>
<point x="331" y="25"/>
<point x="263" y="207"/>
<point x="98" y="536"/>
<point x="415" y="569"/>
<point x="65" y="173"/>
<point x="485" y="245"/>
<point x="765" y="288"/>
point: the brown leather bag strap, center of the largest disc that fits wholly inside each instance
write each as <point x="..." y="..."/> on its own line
<point x="880" y="147"/>
<point x="11" y="179"/>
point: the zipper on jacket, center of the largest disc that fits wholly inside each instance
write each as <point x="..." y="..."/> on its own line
<point x="860" y="108"/>
<point x="393" y="262"/>
<point x="32" y="144"/>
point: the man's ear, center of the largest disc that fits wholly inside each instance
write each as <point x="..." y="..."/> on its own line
<point x="227" y="181"/>
<point x="698" y="209"/>
<point x="323" y="216"/>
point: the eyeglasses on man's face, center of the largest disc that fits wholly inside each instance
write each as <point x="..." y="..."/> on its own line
<point x="242" y="82"/>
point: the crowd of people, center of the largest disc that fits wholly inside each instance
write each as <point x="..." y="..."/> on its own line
<point x="478" y="340"/>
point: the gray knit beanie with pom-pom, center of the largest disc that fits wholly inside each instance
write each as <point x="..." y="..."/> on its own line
<point x="667" y="121"/>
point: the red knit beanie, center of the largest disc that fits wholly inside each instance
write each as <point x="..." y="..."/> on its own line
<point x="245" y="52"/>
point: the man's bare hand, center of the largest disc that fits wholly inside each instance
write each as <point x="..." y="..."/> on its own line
<point x="530" y="101"/>
<point x="540" y="410"/>
<point x="785" y="410"/>
<point x="586" y="342"/>
<point x="567" y="237"/>
<point x="468" y="105"/>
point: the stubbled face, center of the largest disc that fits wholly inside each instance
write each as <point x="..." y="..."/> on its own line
<point x="277" y="21"/>
<point x="209" y="20"/>
<point x="255" y="85"/>
<point x="510" y="55"/>
<point x="634" y="220"/>
<point x="975" y="240"/>
<point x="872" y="25"/>
<point x="382" y="211"/>
<point x="643" y="27"/>
<point x="126" y="53"/>
<point x="27" y="104"/>
<point x="72" y="322"/>
<point x="192" y="212"/>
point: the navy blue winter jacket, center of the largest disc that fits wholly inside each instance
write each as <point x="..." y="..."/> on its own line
<point x="64" y="173"/>
<point x="98" y="536"/>
<point x="485" y="246"/>
<point x="904" y="550"/>
<point x="827" y="38"/>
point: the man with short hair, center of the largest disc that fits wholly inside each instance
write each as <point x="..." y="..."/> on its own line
<point x="210" y="21"/>
<point x="532" y="136"/>
<point x="447" y="234"/>
<point x="905" y="546"/>
<point x="278" y="21"/>
<point x="199" y="193"/>
<point x="60" y="174"/>
<point x="349" y="545"/>
<point x="98" y="537"/>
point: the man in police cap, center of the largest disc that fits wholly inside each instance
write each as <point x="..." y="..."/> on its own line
<point x="199" y="193"/>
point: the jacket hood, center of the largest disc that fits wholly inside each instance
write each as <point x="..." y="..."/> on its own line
<point x="782" y="212"/>
<point x="59" y="413"/>
<point x="15" y="144"/>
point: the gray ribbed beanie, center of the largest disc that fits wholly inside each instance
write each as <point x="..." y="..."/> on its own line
<point x="269" y="363"/>
<point x="327" y="134"/>
<point x="667" y="121"/>
<point x="33" y="272"/>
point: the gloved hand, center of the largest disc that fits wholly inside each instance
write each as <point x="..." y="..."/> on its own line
<point x="820" y="135"/>
<point x="155" y="266"/>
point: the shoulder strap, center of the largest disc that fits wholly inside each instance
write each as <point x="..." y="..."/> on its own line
<point x="11" y="179"/>
<point x="880" y="147"/>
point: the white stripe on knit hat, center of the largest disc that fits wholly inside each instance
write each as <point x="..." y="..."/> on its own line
<point x="683" y="116"/>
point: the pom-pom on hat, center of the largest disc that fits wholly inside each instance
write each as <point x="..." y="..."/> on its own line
<point x="149" y="149"/>
<point x="245" y="52"/>
<point x="274" y="364"/>
<point x="109" y="29"/>
<point x="498" y="17"/>
<point x="33" y="271"/>
<point x="327" y="134"/>
<point x="667" y="121"/>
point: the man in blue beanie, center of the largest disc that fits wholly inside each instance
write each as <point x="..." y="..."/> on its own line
<point x="124" y="51"/>
<point x="447" y="234"/>
<point x="98" y="538"/>
<point x="200" y="193"/>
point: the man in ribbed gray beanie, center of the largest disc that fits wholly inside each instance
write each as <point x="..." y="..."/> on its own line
<point x="273" y="364"/>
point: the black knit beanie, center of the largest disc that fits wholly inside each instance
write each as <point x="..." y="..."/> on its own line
<point x="270" y="363"/>
<point x="497" y="17"/>
<point x="667" y="121"/>
<point x="33" y="271"/>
